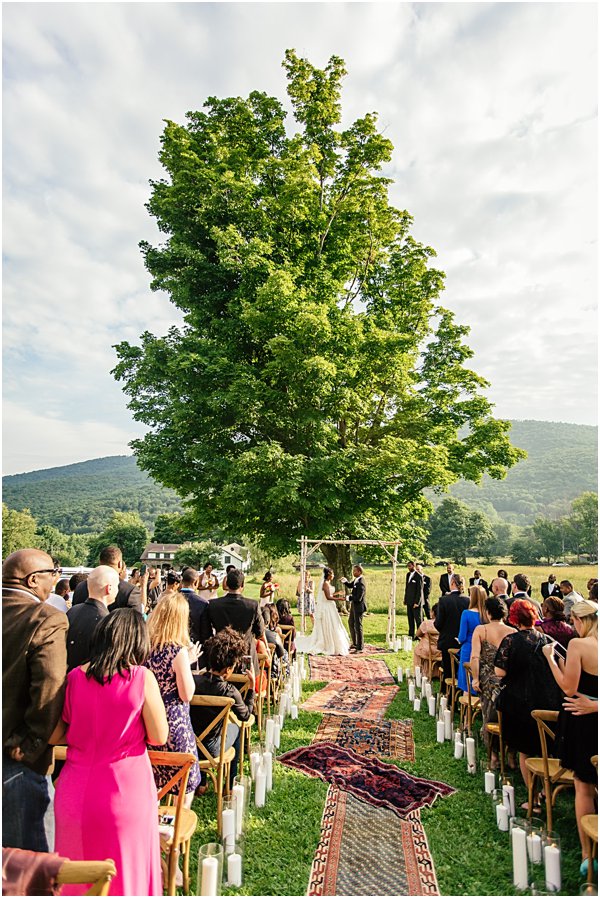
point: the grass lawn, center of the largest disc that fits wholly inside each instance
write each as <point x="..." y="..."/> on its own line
<point x="471" y="856"/>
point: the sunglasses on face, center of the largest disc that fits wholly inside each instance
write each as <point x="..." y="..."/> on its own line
<point x="54" y="570"/>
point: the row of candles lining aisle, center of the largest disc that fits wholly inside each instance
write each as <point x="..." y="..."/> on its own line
<point x="536" y="853"/>
<point x="221" y="863"/>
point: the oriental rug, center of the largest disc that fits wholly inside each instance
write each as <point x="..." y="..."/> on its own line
<point x="380" y="784"/>
<point x="364" y="850"/>
<point x="370" y="738"/>
<point x="366" y="699"/>
<point x="348" y="669"/>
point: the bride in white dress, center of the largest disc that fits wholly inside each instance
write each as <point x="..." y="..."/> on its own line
<point x="329" y="636"/>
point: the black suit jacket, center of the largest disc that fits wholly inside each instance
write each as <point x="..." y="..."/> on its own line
<point x="447" y="619"/>
<point x="232" y="610"/>
<point x="82" y="623"/>
<point x="200" y="628"/>
<point x="445" y="583"/>
<point x="482" y="583"/>
<point x="426" y="587"/>
<point x="555" y="590"/>
<point x="124" y="598"/>
<point x="414" y="590"/>
<point x="358" y="594"/>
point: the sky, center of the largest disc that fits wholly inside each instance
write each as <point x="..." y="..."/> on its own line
<point x="492" y="111"/>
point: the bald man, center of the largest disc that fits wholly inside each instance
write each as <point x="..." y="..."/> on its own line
<point x="102" y="588"/>
<point x="499" y="587"/>
<point x="34" y="667"/>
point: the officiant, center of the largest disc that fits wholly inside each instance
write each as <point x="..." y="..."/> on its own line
<point x="358" y="606"/>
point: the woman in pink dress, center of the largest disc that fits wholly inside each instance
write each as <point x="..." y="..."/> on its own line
<point x="106" y="804"/>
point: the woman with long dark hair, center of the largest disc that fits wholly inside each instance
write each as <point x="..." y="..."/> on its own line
<point x="105" y="804"/>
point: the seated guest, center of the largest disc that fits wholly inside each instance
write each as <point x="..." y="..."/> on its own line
<point x="170" y="658"/>
<point x="569" y="597"/>
<point x="554" y="622"/>
<point x="126" y="597"/>
<point x="425" y="635"/>
<point x="200" y="629"/>
<point x="521" y="589"/>
<point x="470" y="619"/>
<point x="173" y="582"/>
<point x="105" y="802"/>
<point x="578" y="734"/>
<point x="59" y="598"/>
<point x="222" y="653"/>
<point x="447" y="621"/>
<point x="485" y="643"/>
<point x="286" y="619"/>
<point x="102" y="586"/>
<point x="74" y="581"/>
<point x="273" y="637"/>
<point x="527" y="683"/>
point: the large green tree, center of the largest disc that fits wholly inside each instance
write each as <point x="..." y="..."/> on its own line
<point x="316" y="385"/>
<point x="455" y="530"/>
<point x="126" y="530"/>
<point x="18" y="530"/>
<point x="582" y="524"/>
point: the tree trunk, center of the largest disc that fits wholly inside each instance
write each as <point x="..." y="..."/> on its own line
<point x="338" y="558"/>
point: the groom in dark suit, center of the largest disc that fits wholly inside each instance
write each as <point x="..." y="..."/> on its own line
<point x="358" y="606"/>
<point x="413" y="598"/>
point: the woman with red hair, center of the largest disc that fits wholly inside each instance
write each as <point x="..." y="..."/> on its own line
<point x="526" y="685"/>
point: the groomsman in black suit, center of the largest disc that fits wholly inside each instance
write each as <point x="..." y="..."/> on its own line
<point x="358" y="606"/>
<point x="426" y="590"/>
<point x="445" y="579"/>
<point x="477" y="580"/>
<point x="413" y="598"/>
<point x="235" y="610"/>
<point x="551" y="588"/>
<point x="447" y="621"/>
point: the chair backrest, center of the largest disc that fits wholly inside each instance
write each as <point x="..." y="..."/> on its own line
<point x="182" y="762"/>
<point x="223" y="704"/>
<point x="287" y="633"/>
<point x="543" y="718"/>
<point x="98" y="873"/>
<point x="453" y="655"/>
<point x="431" y="646"/>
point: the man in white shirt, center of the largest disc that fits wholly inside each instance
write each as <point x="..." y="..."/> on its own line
<point x="569" y="597"/>
<point x="58" y="598"/>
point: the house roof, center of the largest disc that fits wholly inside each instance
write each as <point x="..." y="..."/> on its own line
<point x="162" y="547"/>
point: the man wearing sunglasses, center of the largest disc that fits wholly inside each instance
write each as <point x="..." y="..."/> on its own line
<point x="34" y="667"/>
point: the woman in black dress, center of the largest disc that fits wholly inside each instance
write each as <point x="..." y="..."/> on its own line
<point x="578" y="733"/>
<point x="526" y="683"/>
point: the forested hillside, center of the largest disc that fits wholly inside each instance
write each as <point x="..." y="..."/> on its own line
<point x="80" y="498"/>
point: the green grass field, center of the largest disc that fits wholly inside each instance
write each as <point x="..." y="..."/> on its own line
<point x="471" y="856"/>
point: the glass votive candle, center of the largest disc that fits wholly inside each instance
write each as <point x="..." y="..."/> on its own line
<point x="539" y="888"/>
<point x="552" y="861"/>
<point x="500" y="810"/>
<point x="488" y="777"/>
<point x="588" y="888"/>
<point x="210" y="869"/>
<point x="234" y="868"/>
<point x="228" y="826"/>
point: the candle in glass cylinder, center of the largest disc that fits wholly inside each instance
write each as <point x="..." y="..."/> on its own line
<point x="228" y="828"/>
<point x="418" y="675"/>
<point x="508" y="797"/>
<point x="210" y="872"/>
<point x="238" y="793"/>
<point x="552" y="866"/>
<point x="534" y="848"/>
<point x="458" y="749"/>
<point x="440" y="731"/>
<point x="448" y="724"/>
<point x="254" y="762"/>
<point x="269" y="732"/>
<point x="411" y="691"/>
<point x="417" y="704"/>
<point x="399" y="674"/>
<point x="268" y="767"/>
<point x="260" y="786"/>
<point x="277" y="734"/>
<point x="431" y="705"/>
<point x="502" y="817"/>
<point x="489" y="781"/>
<point x="294" y="712"/>
<point x="234" y="870"/>
<point x="443" y="704"/>
<point x="470" y="746"/>
<point x="519" y="856"/>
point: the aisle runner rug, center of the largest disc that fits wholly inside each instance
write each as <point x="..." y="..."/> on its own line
<point x="370" y="738"/>
<point x="365" y="699"/>
<point x="367" y="851"/>
<point x="369" y="779"/>
<point x="348" y="668"/>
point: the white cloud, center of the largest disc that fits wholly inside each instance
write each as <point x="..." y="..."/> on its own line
<point x="492" y="111"/>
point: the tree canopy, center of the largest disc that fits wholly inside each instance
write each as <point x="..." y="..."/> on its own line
<point x="316" y="386"/>
<point x="125" y="530"/>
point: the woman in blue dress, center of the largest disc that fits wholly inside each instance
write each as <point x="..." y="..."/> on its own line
<point x="474" y="615"/>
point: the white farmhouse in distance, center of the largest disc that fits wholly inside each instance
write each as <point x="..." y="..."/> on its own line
<point x="162" y="555"/>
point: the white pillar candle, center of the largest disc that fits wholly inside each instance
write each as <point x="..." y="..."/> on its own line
<point x="534" y="848"/>
<point x="508" y="797"/>
<point x="269" y="732"/>
<point x="239" y="795"/>
<point x="417" y="704"/>
<point x="411" y="691"/>
<point x="234" y="870"/>
<point x="210" y="872"/>
<point x="277" y="734"/>
<point x="489" y="781"/>
<point x="228" y="828"/>
<point x="254" y="762"/>
<point x="260" y="786"/>
<point x="268" y="768"/>
<point x="431" y="704"/>
<point x="470" y="746"/>
<point x="418" y="675"/>
<point x="552" y="867"/>
<point x="458" y="749"/>
<point x="448" y="724"/>
<point x="294" y="712"/>
<point x="519" y="857"/>
<point x="440" y="731"/>
<point x="457" y="736"/>
<point x="443" y="704"/>
<point x="399" y="674"/>
<point x="502" y="817"/>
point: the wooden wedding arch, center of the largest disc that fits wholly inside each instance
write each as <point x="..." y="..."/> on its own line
<point x="309" y="546"/>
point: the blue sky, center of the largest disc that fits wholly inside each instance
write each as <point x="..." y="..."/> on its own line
<point x="492" y="112"/>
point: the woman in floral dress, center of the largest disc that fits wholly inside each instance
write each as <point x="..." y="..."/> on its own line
<point x="171" y="657"/>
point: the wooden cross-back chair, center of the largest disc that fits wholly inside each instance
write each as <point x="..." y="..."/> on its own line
<point x="451" y="681"/>
<point x="435" y="665"/>
<point x="470" y="705"/>
<point x="287" y="634"/>
<point x="217" y="766"/>
<point x="97" y="873"/>
<point x="184" y="825"/>
<point x="494" y="728"/>
<point x="554" y="776"/>
<point x="589" y="826"/>
<point x="241" y="682"/>
<point x="262" y="685"/>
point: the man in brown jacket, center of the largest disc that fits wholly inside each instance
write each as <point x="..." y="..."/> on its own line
<point x="34" y="667"/>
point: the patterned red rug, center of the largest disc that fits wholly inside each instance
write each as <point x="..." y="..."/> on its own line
<point x="365" y="699"/>
<point x="369" y="779"/>
<point x="365" y="850"/>
<point x="348" y="669"/>
<point x="370" y="738"/>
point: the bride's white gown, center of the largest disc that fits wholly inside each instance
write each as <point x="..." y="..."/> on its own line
<point x="329" y="636"/>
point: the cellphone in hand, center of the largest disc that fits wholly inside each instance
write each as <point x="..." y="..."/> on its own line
<point x="245" y="663"/>
<point x="143" y="568"/>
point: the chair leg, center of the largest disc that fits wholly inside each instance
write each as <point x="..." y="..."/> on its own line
<point x="548" y="797"/>
<point x="186" y="866"/>
<point x="501" y="755"/>
<point x="530" y="794"/>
